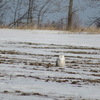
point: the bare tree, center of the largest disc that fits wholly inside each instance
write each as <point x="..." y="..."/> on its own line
<point x="17" y="8"/>
<point x="76" y="21"/>
<point x="30" y="13"/>
<point x="33" y="13"/>
<point x="3" y="10"/>
<point x="44" y="9"/>
<point x="95" y="19"/>
<point x="70" y="11"/>
<point x="16" y="12"/>
<point x="68" y="7"/>
<point x="22" y="12"/>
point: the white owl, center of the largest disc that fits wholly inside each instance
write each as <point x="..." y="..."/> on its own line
<point x="60" y="62"/>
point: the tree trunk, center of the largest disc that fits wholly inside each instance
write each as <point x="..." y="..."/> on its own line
<point x="69" y="24"/>
<point x="29" y="19"/>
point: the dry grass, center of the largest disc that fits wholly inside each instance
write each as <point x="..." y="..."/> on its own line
<point x="25" y="27"/>
<point x="1" y="27"/>
<point x="35" y="27"/>
<point x="90" y="30"/>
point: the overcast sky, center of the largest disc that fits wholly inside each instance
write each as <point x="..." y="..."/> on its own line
<point x="85" y="14"/>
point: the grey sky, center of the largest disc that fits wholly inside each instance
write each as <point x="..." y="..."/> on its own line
<point x="85" y="14"/>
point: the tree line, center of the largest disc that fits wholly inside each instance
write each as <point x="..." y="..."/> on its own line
<point x="36" y="13"/>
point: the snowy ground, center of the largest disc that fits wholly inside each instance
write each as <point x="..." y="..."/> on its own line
<point x="27" y="65"/>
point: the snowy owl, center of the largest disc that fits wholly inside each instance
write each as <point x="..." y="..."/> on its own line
<point x="60" y="62"/>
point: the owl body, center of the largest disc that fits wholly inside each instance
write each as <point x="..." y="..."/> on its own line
<point x="60" y="62"/>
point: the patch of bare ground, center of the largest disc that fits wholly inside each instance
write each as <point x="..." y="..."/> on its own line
<point x="12" y="52"/>
<point x="77" y="52"/>
<point x="36" y="94"/>
<point x="17" y="92"/>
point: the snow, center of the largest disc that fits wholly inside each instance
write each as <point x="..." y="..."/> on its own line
<point x="26" y="73"/>
<point x="42" y="36"/>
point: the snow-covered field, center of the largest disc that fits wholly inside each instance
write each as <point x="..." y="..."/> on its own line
<point x="27" y="65"/>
